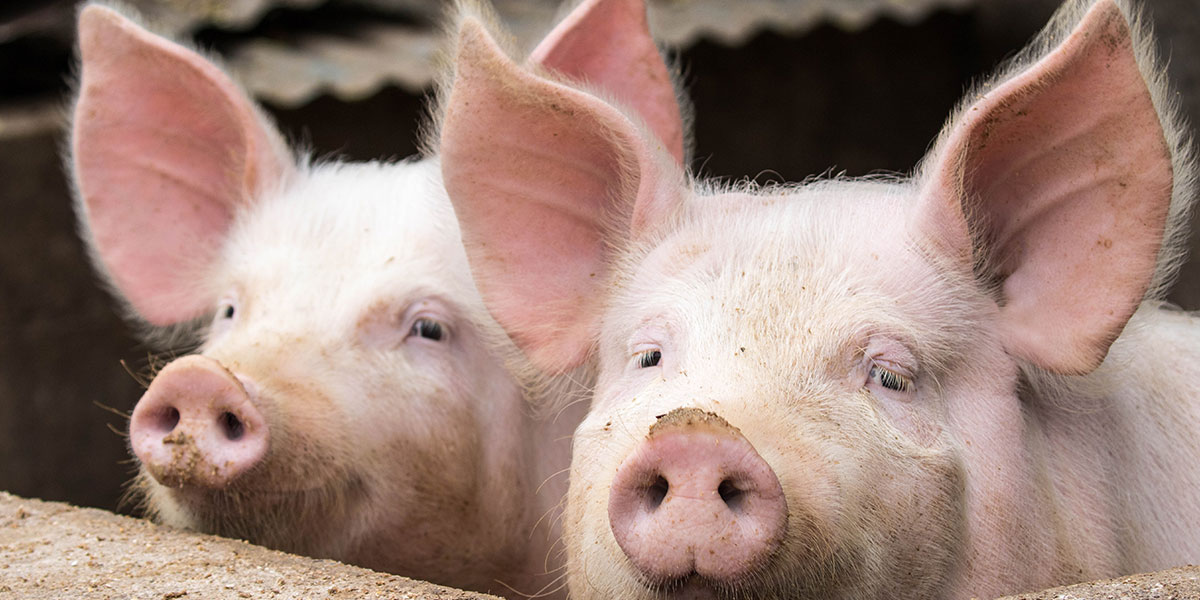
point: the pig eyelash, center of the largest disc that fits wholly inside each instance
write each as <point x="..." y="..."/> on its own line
<point x="428" y="329"/>
<point x="889" y="379"/>
<point x="649" y="358"/>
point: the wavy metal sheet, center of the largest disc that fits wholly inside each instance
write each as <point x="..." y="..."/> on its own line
<point x="681" y="22"/>
<point x="383" y="54"/>
<point x="399" y="48"/>
<point x="175" y="17"/>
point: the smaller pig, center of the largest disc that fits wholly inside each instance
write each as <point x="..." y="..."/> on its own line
<point x="958" y="385"/>
<point x="350" y="398"/>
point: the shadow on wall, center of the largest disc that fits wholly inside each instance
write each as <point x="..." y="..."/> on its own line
<point x="776" y="108"/>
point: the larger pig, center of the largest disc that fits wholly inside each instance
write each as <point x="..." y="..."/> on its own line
<point x="956" y="385"/>
<point x="348" y="399"/>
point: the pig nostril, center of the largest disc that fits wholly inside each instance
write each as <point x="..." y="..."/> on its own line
<point x="656" y="492"/>
<point x="232" y="426"/>
<point x="168" y="419"/>
<point x="731" y="495"/>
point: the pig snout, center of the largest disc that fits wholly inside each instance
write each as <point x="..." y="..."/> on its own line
<point x="696" y="498"/>
<point x="196" y="426"/>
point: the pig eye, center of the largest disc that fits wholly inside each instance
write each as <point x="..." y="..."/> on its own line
<point x="889" y="379"/>
<point x="428" y="329"/>
<point x="649" y="358"/>
<point x="223" y="320"/>
<point x="226" y="309"/>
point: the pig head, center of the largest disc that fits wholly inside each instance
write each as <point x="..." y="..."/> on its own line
<point x="960" y="384"/>
<point x="350" y="397"/>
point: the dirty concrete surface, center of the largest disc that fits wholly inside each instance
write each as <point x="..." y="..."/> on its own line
<point x="54" y="550"/>
<point x="1173" y="584"/>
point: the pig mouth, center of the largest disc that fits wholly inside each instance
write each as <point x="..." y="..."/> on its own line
<point x="697" y="587"/>
<point x="284" y="518"/>
<point x="691" y="587"/>
<point x="237" y="499"/>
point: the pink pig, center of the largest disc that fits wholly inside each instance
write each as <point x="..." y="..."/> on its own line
<point x="957" y="385"/>
<point x="351" y="398"/>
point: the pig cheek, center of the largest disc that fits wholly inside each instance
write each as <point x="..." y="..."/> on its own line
<point x="899" y="506"/>
<point x="444" y="485"/>
<point x="865" y="503"/>
<point x="431" y="490"/>
<point x="431" y="457"/>
<point x="623" y="410"/>
<point x="920" y="521"/>
<point x="313" y="448"/>
<point x="909" y="416"/>
<point x="438" y="463"/>
<point x="595" y="561"/>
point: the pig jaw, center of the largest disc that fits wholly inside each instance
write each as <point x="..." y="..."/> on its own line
<point x="382" y="453"/>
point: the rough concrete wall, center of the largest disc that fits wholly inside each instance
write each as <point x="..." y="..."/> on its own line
<point x="1173" y="584"/>
<point x="50" y="550"/>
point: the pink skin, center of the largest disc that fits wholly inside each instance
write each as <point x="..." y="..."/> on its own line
<point x="631" y="71"/>
<point x="696" y="498"/>
<point x="962" y="382"/>
<point x="221" y="161"/>
<point x="351" y="398"/>
<point x="197" y="425"/>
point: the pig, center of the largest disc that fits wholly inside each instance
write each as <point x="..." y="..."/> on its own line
<point x="958" y="384"/>
<point x="350" y="397"/>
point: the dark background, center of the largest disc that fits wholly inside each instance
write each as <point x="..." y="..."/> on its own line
<point x="779" y="106"/>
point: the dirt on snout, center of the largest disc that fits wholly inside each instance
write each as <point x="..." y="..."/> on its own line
<point x="53" y="550"/>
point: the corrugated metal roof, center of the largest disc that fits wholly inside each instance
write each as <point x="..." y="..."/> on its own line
<point x="350" y="69"/>
<point x="176" y="17"/>
<point x="400" y="46"/>
<point x="403" y="55"/>
<point x="681" y="22"/>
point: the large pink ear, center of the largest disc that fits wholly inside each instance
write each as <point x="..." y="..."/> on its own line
<point x="165" y="149"/>
<point x="607" y="44"/>
<point x="1056" y="184"/>
<point x="536" y="170"/>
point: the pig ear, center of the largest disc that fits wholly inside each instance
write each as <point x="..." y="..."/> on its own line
<point x="165" y="149"/>
<point x="607" y="44"/>
<point x="536" y="170"/>
<point x="1056" y="184"/>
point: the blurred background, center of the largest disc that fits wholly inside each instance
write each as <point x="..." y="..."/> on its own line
<point x="782" y="89"/>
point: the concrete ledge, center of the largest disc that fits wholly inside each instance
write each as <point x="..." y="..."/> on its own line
<point x="1182" y="583"/>
<point x="53" y="550"/>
